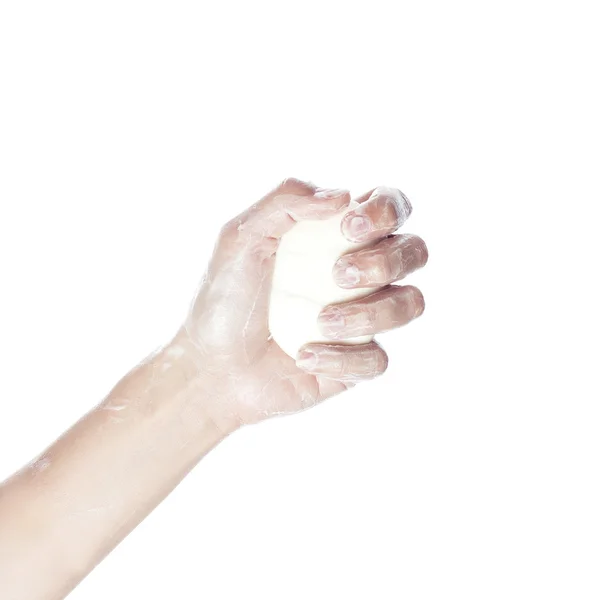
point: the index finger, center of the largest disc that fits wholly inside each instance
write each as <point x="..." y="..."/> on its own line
<point x="380" y="212"/>
<point x="291" y="201"/>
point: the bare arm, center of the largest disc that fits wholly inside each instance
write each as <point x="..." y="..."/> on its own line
<point x="62" y="514"/>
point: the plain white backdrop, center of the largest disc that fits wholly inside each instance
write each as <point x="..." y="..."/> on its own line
<point x="131" y="131"/>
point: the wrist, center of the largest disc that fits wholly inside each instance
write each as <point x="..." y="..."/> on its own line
<point x="201" y="394"/>
<point x="169" y="393"/>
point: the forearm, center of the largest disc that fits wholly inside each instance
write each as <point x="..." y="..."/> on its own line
<point x="63" y="513"/>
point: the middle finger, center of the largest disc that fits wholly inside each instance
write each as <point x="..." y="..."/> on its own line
<point x="389" y="260"/>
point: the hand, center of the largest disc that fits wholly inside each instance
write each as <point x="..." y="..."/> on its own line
<point x="221" y="370"/>
<point x="245" y="376"/>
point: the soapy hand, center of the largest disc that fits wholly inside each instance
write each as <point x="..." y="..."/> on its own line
<point x="225" y="339"/>
<point x="62" y="513"/>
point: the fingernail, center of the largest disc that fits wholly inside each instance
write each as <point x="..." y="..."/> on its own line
<point x="306" y="360"/>
<point x="345" y="274"/>
<point x="328" y="194"/>
<point x="331" y="323"/>
<point x="358" y="226"/>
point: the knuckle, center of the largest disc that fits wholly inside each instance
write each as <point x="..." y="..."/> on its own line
<point x="380" y="200"/>
<point x="373" y="361"/>
<point x="230" y="229"/>
<point x="295" y="185"/>
<point x="383" y="360"/>
<point x="401" y="204"/>
<point x="422" y="250"/>
<point x="393" y="206"/>
<point x="417" y="299"/>
<point x="417" y="248"/>
<point x="382" y="267"/>
<point x="382" y="191"/>
<point x="288" y="182"/>
<point x="387" y="192"/>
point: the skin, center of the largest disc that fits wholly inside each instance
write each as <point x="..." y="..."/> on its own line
<point x="62" y="513"/>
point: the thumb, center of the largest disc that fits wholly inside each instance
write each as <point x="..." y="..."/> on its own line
<point x="242" y="265"/>
<point x="277" y="212"/>
<point x="248" y="243"/>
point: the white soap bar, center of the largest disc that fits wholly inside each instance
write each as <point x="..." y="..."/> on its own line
<point x="303" y="283"/>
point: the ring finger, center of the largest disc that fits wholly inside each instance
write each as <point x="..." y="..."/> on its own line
<point x="381" y="311"/>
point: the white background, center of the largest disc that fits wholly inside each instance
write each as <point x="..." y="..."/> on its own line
<point x="130" y="131"/>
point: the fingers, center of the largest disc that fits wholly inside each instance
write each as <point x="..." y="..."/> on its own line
<point x="343" y="362"/>
<point x="389" y="260"/>
<point x="291" y="201"/>
<point x="386" y="309"/>
<point x="381" y="212"/>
